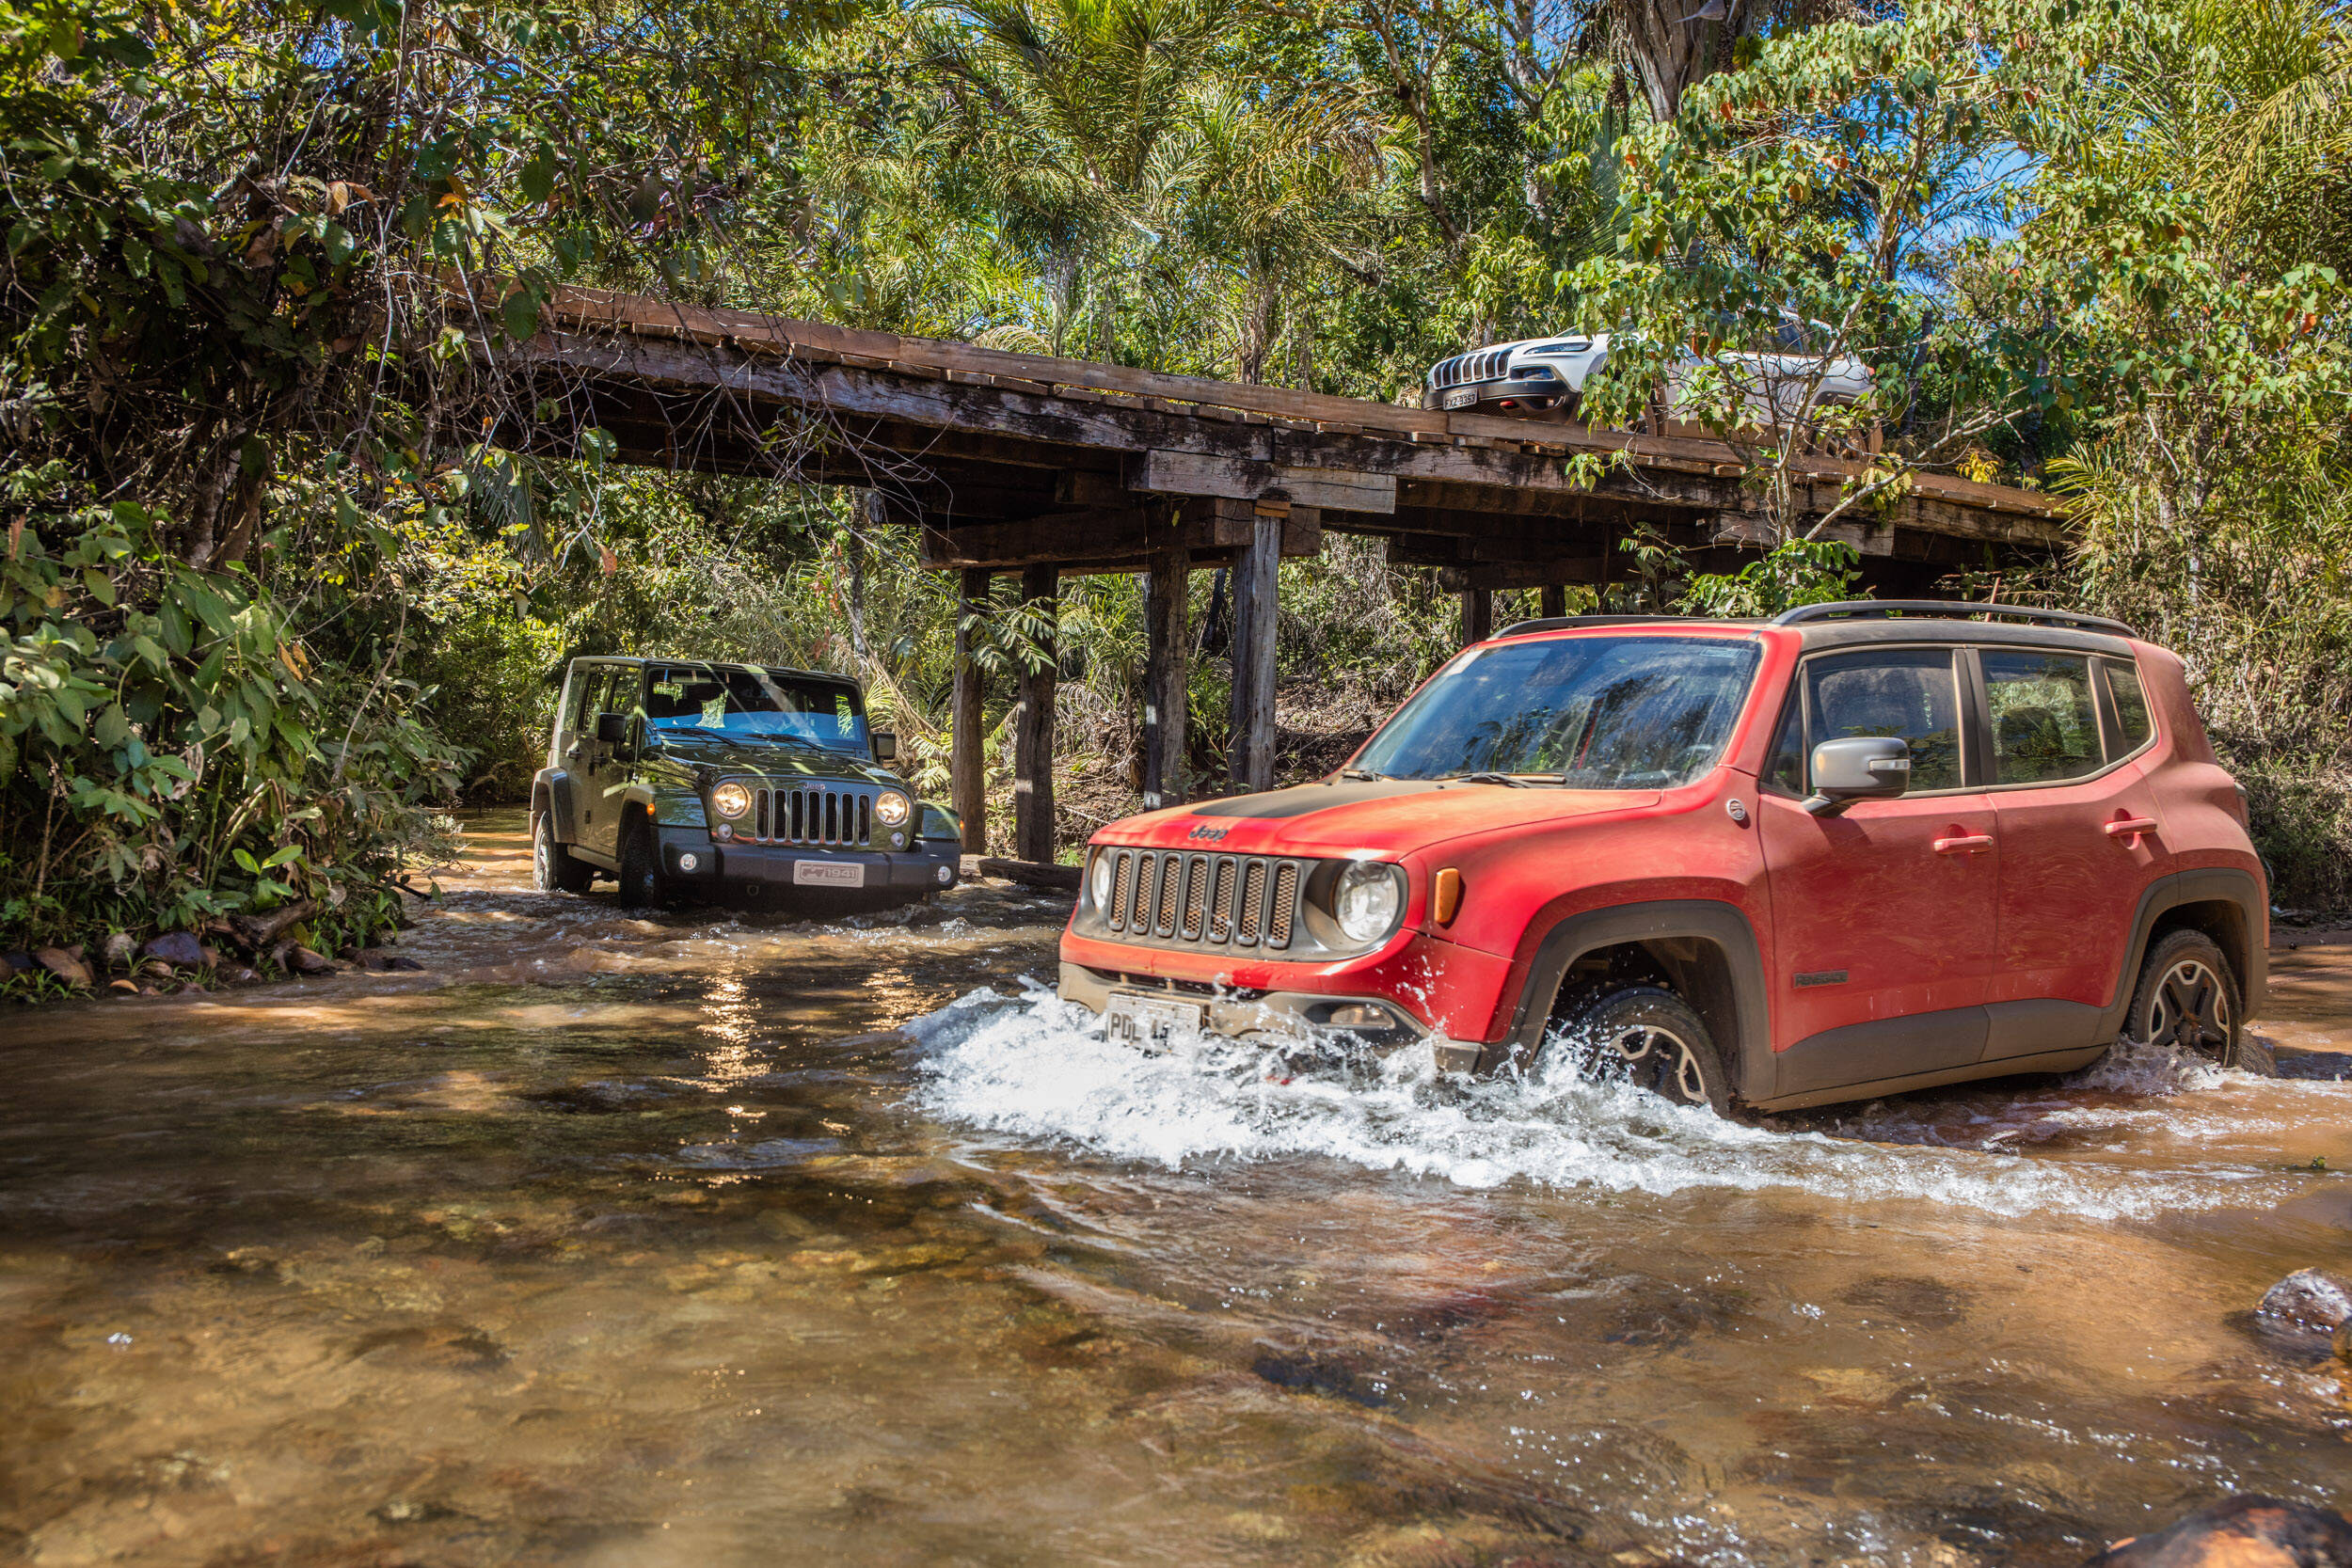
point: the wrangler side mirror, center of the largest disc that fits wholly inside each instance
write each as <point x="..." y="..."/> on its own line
<point x="886" y="746"/>
<point x="1859" y="768"/>
<point x="613" y="730"/>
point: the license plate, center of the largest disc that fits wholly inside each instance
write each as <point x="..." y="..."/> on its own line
<point x="1460" y="397"/>
<point x="828" y="874"/>
<point x="1151" y="1022"/>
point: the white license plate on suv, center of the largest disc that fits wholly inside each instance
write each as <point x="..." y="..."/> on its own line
<point x="828" y="874"/>
<point x="1460" y="397"/>
<point x="1151" y="1022"/>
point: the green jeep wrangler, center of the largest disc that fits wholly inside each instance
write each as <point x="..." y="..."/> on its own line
<point x="732" y="783"/>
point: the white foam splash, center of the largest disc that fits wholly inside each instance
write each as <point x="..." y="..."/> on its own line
<point x="1037" y="1068"/>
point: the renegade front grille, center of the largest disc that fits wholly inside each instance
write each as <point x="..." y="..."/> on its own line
<point x="1251" y="900"/>
<point x="810" y="815"/>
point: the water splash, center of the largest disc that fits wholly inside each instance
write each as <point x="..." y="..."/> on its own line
<point x="1037" y="1068"/>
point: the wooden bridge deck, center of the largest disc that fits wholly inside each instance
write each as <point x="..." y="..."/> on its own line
<point x="1023" y="464"/>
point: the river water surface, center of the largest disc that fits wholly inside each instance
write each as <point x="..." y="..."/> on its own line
<point x="701" y="1240"/>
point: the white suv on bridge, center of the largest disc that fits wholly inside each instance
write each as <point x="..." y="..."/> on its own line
<point x="1548" y="375"/>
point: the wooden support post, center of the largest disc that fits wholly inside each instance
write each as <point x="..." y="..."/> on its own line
<point x="967" y="766"/>
<point x="1555" y="603"/>
<point x="1168" y="672"/>
<point x="1478" y="615"/>
<point x="1255" y="576"/>
<point x="1033" y="727"/>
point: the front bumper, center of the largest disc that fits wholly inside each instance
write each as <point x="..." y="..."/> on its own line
<point x="930" y="866"/>
<point x="1526" y="392"/>
<point x="1279" y="1014"/>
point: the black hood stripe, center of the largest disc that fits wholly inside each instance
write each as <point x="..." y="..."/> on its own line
<point x="1306" y="799"/>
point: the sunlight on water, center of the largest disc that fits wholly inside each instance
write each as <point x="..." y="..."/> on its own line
<point x="1035" y="1067"/>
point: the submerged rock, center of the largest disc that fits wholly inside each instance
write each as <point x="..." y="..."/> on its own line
<point x="2309" y="1299"/>
<point x="2244" y="1531"/>
<point x="302" y="961"/>
<point x="179" y="949"/>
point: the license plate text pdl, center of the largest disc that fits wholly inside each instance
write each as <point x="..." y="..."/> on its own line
<point x="1150" y="1022"/>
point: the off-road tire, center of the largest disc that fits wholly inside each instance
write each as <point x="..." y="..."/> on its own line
<point x="2187" y="996"/>
<point x="1653" y="1037"/>
<point x="552" y="867"/>
<point x="642" y="882"/>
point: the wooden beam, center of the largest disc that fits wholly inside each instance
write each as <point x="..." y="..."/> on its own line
<point x="1033" y="724"/>
<point x="967" y="766"/>
<point x="1256" y="576"/>
<point x="1195" y="473"/>
<point x="1168" y="675"/>
<point x="1555" y="601"/>
<point x="1478" y="613"/>
<point x="1510" y="576"/>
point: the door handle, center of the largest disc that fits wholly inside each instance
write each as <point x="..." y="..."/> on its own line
<point x="1966" y="844"/>
<point x="2131" y="826"/>
<point x="572" y="756"/>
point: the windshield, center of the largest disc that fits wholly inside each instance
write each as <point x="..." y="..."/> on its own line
<point x="755" y="703"/>
<point x="1588" y="712"/>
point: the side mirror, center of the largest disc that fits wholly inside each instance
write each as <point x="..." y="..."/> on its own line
<point x="1860" y="768"/>
<point x="612" y="728"/>
<point x="886" y="746"/>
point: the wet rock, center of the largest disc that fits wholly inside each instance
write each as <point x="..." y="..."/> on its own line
<point x="2309" y="1299"/>
<point x="2244" y="1531"/>
<point x="238" y="975"/>
<point x="120" y="950"/>
<point x="15" y="961"/>
<point x="1308" y="1372"/>
<point x="395" y="963"/>
<point x="66" y="964"/>
<point x="260" y="931"/>
<point x="302" y="961"/>
<point x="211" y="954"/>
<point x="156" y="969"/>
<point x="179" y="949"/>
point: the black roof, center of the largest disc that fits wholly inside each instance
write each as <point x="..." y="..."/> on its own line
<point x="556" y="671"/>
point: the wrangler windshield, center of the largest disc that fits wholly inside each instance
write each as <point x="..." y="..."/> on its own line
<point x="1588" y="712"/>
<point x="755" y="703"/>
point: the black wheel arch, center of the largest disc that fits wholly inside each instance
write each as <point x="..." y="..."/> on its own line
<point x="2223" y="902"/>
<point x="1704" y="949"/>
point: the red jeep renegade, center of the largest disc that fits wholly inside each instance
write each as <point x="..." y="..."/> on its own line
<point x="1859" y="849"/>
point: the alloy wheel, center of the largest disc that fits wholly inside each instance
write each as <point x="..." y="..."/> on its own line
<point x="2191" y="1009"/>
<point x="1662" y="1062"/>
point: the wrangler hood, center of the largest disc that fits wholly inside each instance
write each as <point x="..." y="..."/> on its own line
<point x="1383" y="816"/>
<point x="768" y="756"/>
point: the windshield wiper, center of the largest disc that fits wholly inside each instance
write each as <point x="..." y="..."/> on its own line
<point x="1492" y="779"/>
<point x="1363" y="775"/>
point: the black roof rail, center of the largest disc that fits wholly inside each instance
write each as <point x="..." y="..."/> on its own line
<point x="1561" y="623"/>
<point x="1950" y="609"/>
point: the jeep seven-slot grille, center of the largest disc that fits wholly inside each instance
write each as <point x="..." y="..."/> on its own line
<point x="811" y="815"/>
<point x="1250" y="899"/>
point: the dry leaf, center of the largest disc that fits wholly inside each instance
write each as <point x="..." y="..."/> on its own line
<point x="610" y="562"/>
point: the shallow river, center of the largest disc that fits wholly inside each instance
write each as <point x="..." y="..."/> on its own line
<point x="711" y="1242"/>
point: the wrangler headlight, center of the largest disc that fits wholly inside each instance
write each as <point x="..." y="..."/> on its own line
<point x="890" y="810"/>
<point x="1100" y="879"/>
<point x="1367" y="898"/>
<point x="731" y="800"/>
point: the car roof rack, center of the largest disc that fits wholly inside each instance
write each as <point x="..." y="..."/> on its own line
<point x="1951" y="609"/>
<point x="1561" y="623"/>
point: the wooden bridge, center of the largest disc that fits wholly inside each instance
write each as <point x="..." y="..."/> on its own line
<point x="1020" y="463"/>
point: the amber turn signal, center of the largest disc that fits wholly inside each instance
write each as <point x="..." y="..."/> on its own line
<point x="1445" y="895"/>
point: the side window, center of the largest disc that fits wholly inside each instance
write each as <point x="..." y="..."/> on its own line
<point x="2131" y="708"/>
<point x="2045" y="725"/>
<point x="588" y="698"/>
<point x="1784" y="768"/>
<point x="628" y="693"/>
<point x="1910" y="693"/>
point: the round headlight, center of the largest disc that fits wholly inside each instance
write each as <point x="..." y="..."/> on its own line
<point x="1100" y="880"/>
<point x="1367" y="900"/>
<point x="731" y="799"/>
<point x="890" y="810"/>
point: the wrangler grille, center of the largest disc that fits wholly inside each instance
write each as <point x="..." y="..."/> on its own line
<point x="1251" y="900"/>
<point x="810" y="815"/>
